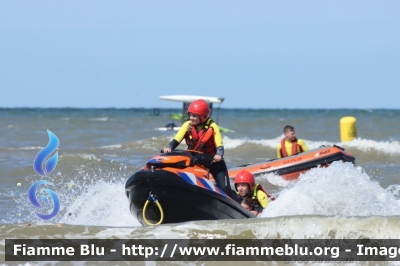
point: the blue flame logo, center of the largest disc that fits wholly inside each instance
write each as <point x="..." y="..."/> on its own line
<point x="45" y="169"/>
<point x="35" y="202"/>
<point x="43" y="154"/>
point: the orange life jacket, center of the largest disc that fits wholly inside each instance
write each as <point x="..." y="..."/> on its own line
<point x="295" y="145"/>
<point x="203" y="140"/>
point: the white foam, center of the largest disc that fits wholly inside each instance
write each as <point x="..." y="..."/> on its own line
<point x="102" y="204"/>
<point x="389" y="147"/>
<point x="31" y="148"/>
<point x="89" y="157"/>
<point x="111" y="147"/>
<point x="274" y="180"/>
<point x="233" y="143"/>
<point x="339" y="190"/>
<point x="395" y="190"/>
<point x="271" y="143"/>
<point x="99" y="119"/>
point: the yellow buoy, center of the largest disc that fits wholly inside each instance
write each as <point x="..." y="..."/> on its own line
<point x="348" y="129"/>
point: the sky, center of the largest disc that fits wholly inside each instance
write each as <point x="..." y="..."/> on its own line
<point x="255" y="54"/>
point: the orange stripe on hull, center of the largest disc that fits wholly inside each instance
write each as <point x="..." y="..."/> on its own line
<point x="291" y="167"/>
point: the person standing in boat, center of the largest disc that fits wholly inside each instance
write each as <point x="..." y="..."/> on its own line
<point x="202" y="134"/>
<point x="247" y="189"/>
<point x="290" y="145"/>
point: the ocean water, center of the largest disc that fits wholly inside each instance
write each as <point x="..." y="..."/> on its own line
<point x="101" y="148"/>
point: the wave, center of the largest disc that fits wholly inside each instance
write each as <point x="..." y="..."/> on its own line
<point x="101" y="204"/>
<point x="284" y="227"/>
<point x="365" y="145"/>
<point x="30" y="148"/>
<point x="111" y="147"/>
<point x="339" y="190"/>
<point x="99" y="119"/>
<point x="338" y="202"/>
<point x="88" y="196"/>
<point x="89" y="157"/>
<point x="388" y="147"/>
<point x="97" y="197"/>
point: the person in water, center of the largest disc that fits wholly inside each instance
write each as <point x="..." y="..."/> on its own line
<point x="246" y="204"/>
<point x="255" y="193"/>
<point x="202" y="134"/>
<point x="290" y="145"/>
<point x="170" y="125"/>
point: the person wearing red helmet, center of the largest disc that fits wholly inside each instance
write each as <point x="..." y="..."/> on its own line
<point x="202" y="134"/>
<point x="247" y="189"/>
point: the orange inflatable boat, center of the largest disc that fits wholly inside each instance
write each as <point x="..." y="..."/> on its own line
<point x="291" y="167"/>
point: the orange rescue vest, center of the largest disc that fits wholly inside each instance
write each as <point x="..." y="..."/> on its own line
<point x="295" y="145"/>
<point x="203" y="140"/>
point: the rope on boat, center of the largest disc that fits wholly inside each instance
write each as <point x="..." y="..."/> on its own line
<point x="154" y="199"/>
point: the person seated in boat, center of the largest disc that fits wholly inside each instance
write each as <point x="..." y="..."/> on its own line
<point x="247" y="189"/>
<point x="202" y="134"/>
<point x="290" y="145"/>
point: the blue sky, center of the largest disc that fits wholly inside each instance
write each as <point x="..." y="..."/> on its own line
<point x="256" y="54"/>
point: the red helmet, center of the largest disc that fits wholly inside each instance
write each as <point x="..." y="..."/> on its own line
<point x="245" y="177"/>
<point x="200" y="108"/>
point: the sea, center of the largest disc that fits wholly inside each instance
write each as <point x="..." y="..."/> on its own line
<point x="99" y="149"/>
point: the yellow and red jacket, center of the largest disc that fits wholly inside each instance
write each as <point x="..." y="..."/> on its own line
<point x="205" y="138"/>
<point x="287" y="148"/>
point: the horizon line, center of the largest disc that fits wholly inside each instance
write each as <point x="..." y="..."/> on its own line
<point x="215" y="108"/>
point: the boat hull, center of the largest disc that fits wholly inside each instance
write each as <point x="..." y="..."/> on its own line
<point x="180" y="198"/>
<point x="291" y="167"/>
